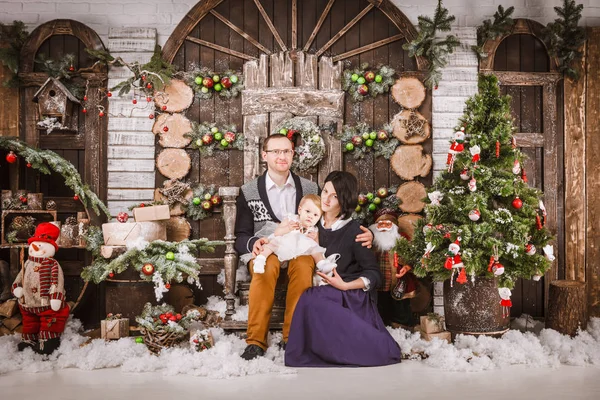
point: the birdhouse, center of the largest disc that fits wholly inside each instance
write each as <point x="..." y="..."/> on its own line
<point x="55" y="101"/>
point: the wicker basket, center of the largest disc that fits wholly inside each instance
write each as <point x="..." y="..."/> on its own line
<point x="160" y="339"/>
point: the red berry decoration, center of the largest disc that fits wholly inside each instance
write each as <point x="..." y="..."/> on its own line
<point x="134" y="101"/>
<point x="28" y="165"/>
<point x="75" y="197"/>
<point x="111" y="275"/>
<point x="517" y="203"/>
<point x="11" y="157"/>
<point x="148" y="269"/>
<point x="148" y="99"/>
<point x="436" y="86"/>
<point x="85" y="98"/>
<point x="71" y="68"/>
<point x="108" y="94"/>
<point x="165" y="129"/>
<point x="143" y="77"/>
<point x="23" y="199"/>
<point x="122" y="217"/>
<point x="167" y="286"/>
<point x="101" y="114"/>
<point x="149" y="86"/>
<point x="151" y="116"/>
<point x="164" y="108"/>
<point x="84" y="110"/>
<point x="142" y="205"/>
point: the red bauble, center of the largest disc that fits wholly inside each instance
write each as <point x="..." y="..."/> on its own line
<point x="84" y="110"/>
<point x="164" y="108"/>
<point x="11" y="158"/>
<point x="23" y="199"/>
<point x="122" y="217"/>
<point x="101" y="114"/>
<point x="517" y="203"/>
<point x="134" y="101"/>
<point x="166" y="129"/>
<point x="167" y="286"/>
<point x="28" y="165"/>
<point x="149" y="86"/>
<point x="142" y="205"/>
<point x="85" y="98"/>
<point x="71" y="68"/>
<point x="108" y="94"/>
<point x="148" y="269"/>
<point x="151" y="116"/>
<point x="75" y="197"/>
<point x="143" y="77"/>
<point x="111" y="275"/>
<point x="148" y="99"/>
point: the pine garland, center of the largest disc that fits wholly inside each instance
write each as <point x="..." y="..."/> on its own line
<point x="15" y="36"/>
<point x="369" y="203"/>
<point x="564" y="38"/>
<point x="205" y="82"/>
<point x="207" y="137"/>
<point x="429" y="46"/>
<point x="311" y="150"/>
<point x="205" y="199"/>
<point x="46" y="161"/>
<point x="502" y="230"/>
<point x="361" y="140"/>
<point x="491" y="30"/>
<point x="361" y="81"/>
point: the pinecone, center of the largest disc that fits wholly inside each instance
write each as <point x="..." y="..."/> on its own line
<point x="71" y="221"/>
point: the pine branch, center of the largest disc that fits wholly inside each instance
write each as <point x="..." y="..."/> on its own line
<point x="15" y="36"/>
<point x="434" y="49"/>
<point x="491" y="30"/>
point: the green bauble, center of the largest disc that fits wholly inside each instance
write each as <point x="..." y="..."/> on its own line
<point x="196" y="201"/>
<point x="214" y="129"/>
<point x="199" y="142"/>
<point x="198" y="80"/>
<point x="354" y="77"/>
<point x="283" y="131"/>
<point x="218" y="87"/>
<point x="224" y="143"/>
<point x="207" y="196"/>
<point x="358" y="208"/>
<point x="218" y="136"/>
<point x="370" y="196"/>
<point x="349" y="146"/>
<point x="360" y="80"/>
<point x="372" y="207"/>
<point x="369" y="142"/>
<point x="378" y="78"/>
<point x="170" y="255"/>
<point x="139" y="340"/>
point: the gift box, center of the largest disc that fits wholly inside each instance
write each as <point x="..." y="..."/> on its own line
<point x="444" y="335"/>
<point x="114" y="328"/>
<point x="432" y="323"/>
<point x="119" y="234"/>
<point x="153" y="213"/>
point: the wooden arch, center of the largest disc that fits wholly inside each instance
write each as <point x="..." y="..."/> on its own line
<point x="204" y="7"/>
<point x="520" y="26"/>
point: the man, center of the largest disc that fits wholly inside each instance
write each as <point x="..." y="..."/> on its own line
<point x="271" y="197"/>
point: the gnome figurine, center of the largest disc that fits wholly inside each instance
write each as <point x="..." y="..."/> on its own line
<point x="40" y="289"/>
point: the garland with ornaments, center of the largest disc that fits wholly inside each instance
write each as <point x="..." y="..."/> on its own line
<point x="310" y="149"/>
<point x="361" y="140"/>
<point x="481" y="217"/>
<point x="205" y="83"/>
<point x="164" y="318"/>
<point x="159" y="262"/>
<point x="208" y="137"/>
<point x="47" y="161"/>
<point x="204" y="202"/>
<point x="369" y="203"/>
<point x="362" y="81"/>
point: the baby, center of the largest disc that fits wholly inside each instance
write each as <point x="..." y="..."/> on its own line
<point x="288" y="244"/>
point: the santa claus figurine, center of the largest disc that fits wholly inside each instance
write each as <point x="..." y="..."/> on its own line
<point x="399" y="284"/>
<point x="39" y="287"/>
<point x="456" y="147"/>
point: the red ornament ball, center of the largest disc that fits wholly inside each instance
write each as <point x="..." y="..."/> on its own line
<point x="111" y="275"/>
<point x="76" y="198"/>
<point x="149" y="86"/>
<point x="23" y="199"/>
<point x="85" y="98"/>
<point x="71" y="68"/>
<point x="148" y="99"/>
<point x="108" y="94"/>
<point x="84" y="110"/>
<point x="101" y="114"/>
<point x="166" y="129"/>
<point x="164" y="108"/>
<point x="142" y="205"/>
<point x="167" y="286"/>
<point x="122" y="217"/>
<point x="517" y="203"/>
<point x="28" y="165"/>
<point x="151" y="116"/>
<point x="134" y="101"/>
<point x="143" y="77"/>
<point x="148" y="269"/>
<point x="11" y="157"/>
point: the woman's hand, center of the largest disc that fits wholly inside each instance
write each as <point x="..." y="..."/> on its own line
<point x="336" y="281"/>
<point x="403" y="271"/>
<point x="258" y="246"/>
<point x="286" y="226"/>
<point x="366" y="237"/>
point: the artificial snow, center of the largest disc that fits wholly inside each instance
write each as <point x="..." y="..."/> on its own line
<point x="521" y="345"/>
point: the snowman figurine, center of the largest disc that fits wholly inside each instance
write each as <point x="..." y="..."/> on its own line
<point x="39" y="287"/>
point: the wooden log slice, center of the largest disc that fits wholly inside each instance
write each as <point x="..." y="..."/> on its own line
<point x="177" y="208"/>
<point x="406" y="223"/>
<point x="409" y="162"/>
<point x="177" y="96"/>
<point x="173" y="163"/>
<point x="567" y="307"/>
<point x="178" y="125"/>
<point x="409" y="92"/>
<point x="178" y="229"/>
<point x="411" y="195"/>
<point x="406" y="126"/>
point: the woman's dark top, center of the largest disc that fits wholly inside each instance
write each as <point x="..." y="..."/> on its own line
<point x="355" y="260"/>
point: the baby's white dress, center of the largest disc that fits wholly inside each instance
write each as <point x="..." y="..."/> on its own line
<point x="291" y="245"/>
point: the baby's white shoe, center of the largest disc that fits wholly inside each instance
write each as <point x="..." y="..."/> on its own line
<point x="327" y="265"/>
<point x="259" y="264"/>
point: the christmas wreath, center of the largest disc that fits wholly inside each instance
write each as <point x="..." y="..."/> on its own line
<point x="361" y="139"/>
<point x="311" y="149"/>
<point x="205" y="83"/>
<point x="369" y="203"/>
<point x="362" y="81"/>
<point x="204" y="202"/>
<point x="206" y="137"/>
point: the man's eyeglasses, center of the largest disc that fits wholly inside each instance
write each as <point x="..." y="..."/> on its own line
<point x="286" y="152"/>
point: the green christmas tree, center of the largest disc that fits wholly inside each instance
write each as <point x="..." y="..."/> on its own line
<point x="481" y="217"/>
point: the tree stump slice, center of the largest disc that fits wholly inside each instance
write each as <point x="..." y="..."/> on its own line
<point x="400" y="131"/>
<point x="178" y="125"/>
<point x="411" y="195"/>
<point x="173" y="163"/>
<point x="409" y="162"/>
<point x="406" y="223"/>
<point x="567" y="307"/>
<point x="177" y="96"/>
<point x="178" y="229"/>
<point x="409" y="92"/>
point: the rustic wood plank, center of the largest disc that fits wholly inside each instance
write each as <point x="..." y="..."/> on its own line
<point x="139" y="180"/>
<point x="345" y="29"/>
<point x="318" y="25"/>
<point x="526" y="139"/>
<point x="306" y="70"/>
<point x="368" y="47"/>
<point x="240" y="32"/>
<point x="270" y="25"/>
<point x="297" y="101"/>
<point x="514" y="78"/>
<point x="220" y="48"/>
<point x="9" y="105"/>
<point x="294" y="24"/>
<point x="592" y="171"/>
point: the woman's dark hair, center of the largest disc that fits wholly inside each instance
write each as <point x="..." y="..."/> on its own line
<point x="346" y="187"/>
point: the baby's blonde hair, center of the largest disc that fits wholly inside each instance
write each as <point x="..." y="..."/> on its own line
<point x="314" y="198"/>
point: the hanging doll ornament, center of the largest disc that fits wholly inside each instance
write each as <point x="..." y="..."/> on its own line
<point x="505" y="301"/>
<point x="530" y="249"/>
<point x="494" y="265"/>
<point x="456" y="147"/>
<point x="475" y="154"/>
<point x="435" y="197"/>
<point x="464" y="175"/>
<point x="516" y="169"/>
<point x="474" y="215"/>
<point x="454" y="261"/>
<point x="472" y="185"/>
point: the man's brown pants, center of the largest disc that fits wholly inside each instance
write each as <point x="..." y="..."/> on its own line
<point x="262" y="294"/>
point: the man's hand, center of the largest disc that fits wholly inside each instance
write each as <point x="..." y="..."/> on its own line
<point x="258" y="246"/>
<point x="366" y="237"/>
<point x="403" y="271"/>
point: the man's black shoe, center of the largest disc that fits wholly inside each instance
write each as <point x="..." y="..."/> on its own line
<point x="252" y="351"/>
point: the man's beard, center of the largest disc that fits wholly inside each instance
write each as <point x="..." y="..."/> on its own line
<point x="384" y="241"/>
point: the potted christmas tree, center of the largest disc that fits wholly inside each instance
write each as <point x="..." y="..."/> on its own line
<point x="484" y="226"/>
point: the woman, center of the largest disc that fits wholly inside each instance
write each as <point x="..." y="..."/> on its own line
<point x="338" y="324"/>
